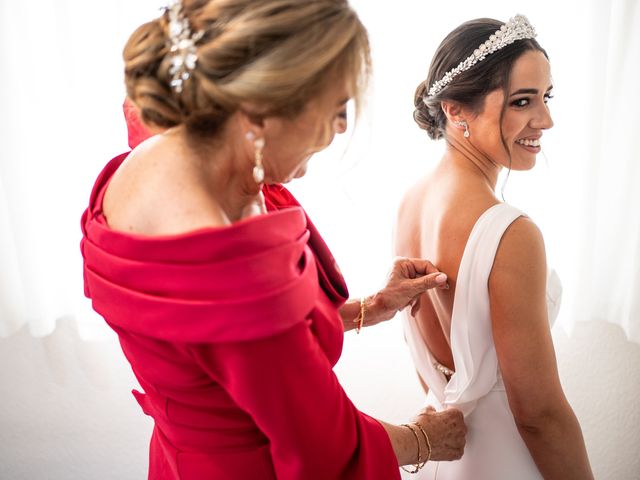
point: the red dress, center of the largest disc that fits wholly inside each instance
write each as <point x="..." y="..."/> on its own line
<point x="232" y="333"/>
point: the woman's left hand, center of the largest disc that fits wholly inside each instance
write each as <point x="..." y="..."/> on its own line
<point x="408" y="280"/>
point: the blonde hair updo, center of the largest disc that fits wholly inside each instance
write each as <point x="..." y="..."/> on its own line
<point x="272" y="53"/>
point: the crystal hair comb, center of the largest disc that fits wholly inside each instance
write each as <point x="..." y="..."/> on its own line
<point x="182" y="49"/>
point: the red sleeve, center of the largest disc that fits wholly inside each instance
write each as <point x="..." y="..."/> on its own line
<point x="287" y="385"/>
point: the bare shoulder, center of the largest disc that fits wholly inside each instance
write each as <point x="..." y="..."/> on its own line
<point x="517" y="283"/>
<point x="521" y="248"/>
<point x="150" y="195"/>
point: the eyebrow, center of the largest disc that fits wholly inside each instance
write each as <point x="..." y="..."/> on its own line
<point x="343" y="101"/>
<point x="532" y="91"/>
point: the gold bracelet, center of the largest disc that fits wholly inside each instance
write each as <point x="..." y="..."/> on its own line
<point x="359" y="320"/>
<point x="426" y="439"/>
<point x="419" y="465"/>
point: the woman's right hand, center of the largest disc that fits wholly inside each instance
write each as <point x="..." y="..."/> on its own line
<point x="446" y="431"/>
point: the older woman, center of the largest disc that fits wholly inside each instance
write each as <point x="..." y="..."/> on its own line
<point x="228" y="304"/>
<point x="484" y="345"/>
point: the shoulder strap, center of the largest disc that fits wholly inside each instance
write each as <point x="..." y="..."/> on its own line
<point x="476" y="363"/>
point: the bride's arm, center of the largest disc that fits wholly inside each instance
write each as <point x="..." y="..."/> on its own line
<point x="522" y="337"/>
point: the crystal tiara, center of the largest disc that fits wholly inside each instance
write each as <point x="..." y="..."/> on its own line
<point x="517" y="28"/>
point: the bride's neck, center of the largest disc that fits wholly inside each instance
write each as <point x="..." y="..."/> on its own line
<point x="472" y="163"/>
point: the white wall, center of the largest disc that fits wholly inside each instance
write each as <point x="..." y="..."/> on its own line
<point x="66" y="412"/>
<point x="600" y="371"/>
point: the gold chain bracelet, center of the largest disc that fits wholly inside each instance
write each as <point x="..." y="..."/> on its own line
<point x="418" y="466"/>
<point x="426" y="439"/>
<point x="359" y="320"/>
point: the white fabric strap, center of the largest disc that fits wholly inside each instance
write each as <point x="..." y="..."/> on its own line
<point x="474" y="354"/>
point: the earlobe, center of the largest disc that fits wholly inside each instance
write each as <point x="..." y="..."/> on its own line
<point x="340" y="125"/>
<point x="456" y="116"/>
<point x="252" y="123"/>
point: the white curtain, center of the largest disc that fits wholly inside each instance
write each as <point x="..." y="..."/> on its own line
<point x="60" y="121"/>
<point x="61" y="89"/>
<point x="606" y="261"/>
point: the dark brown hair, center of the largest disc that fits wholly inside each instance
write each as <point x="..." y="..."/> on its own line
<point x="470" y="88"/>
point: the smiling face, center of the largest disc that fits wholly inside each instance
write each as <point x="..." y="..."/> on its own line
<point x="526" y="114"/>
<point x="290" y="142"/>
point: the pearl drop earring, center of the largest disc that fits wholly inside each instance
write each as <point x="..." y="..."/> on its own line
<point x="258" y="169"/>
<point x="258" y="145"/>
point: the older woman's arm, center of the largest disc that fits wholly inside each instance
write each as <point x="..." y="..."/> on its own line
<point x="408" y="279"/>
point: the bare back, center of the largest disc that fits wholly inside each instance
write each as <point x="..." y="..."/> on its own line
<point x="435" y="220"/>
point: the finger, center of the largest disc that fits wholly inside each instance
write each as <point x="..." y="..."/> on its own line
<point x="428" y="410"/>
<point x="422" y="266"/>
<point x="427" y="282"/>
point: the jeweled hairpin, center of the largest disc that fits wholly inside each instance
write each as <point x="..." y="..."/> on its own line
<point x="182" y="48"/>
<point x="517" y="28"/>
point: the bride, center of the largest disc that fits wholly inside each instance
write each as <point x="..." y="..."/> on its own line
<point x="484" y="346"/>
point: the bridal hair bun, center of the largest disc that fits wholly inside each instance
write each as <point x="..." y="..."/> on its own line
<point x="432" y="120"/>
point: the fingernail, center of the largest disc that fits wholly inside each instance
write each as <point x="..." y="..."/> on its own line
<point x="441" y="278"/>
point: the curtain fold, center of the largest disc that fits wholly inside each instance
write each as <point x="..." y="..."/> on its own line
<point x="606" y="270"/>
<point x="60" y="120"/>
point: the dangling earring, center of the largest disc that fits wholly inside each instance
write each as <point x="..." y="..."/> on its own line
<point x="258" y="170"/>
<point x="258" y="145"/>
<point x="463" y="123"/>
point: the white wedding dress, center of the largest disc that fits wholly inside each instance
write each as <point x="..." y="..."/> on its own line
<point x="494" y="448"/>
